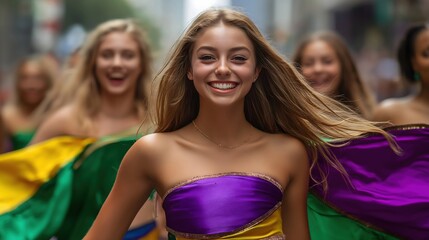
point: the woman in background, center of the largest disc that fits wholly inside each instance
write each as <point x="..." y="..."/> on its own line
<point x="413" y="58"/>
<point x="327" y="64"/>
<point x="110" y="81"/>
<point x="35" y="77"/>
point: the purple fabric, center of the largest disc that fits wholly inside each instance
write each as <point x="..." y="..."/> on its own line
<point x="219" y="204"/>
<point x="390" y="192"/>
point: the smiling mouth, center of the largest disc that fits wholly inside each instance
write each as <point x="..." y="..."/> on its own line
<point x="223" y="86"/>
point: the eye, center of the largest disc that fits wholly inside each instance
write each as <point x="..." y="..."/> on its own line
<point x="106" y="54"/>
<point x="206" y="57"/>
<point x="239" y="59"/>
<point x="128" y="54"/>
<point x="307" y="63"/>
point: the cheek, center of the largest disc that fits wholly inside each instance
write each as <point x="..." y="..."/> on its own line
<point x="307" y="71"/>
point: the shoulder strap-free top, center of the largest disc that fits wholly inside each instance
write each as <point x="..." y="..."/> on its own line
<point x="220" y="205"/>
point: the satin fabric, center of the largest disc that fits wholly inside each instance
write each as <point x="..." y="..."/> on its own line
<point x="93" y="176"/>
<point x="35" y="187"/>
<point x="217" y="206"/>
<point x="22" y="172"/>
<point x="388" y="192"/>
<point x="326" y="223"/>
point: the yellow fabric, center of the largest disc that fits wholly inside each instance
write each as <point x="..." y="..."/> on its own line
<point x="23" y="171"/>
<point x="269" y="227"/>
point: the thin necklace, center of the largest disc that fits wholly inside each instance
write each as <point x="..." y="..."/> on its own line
<point x="220" y="145"/>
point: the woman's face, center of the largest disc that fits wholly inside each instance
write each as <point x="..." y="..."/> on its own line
<point x="321" y="67"/>
<point x="223" y="65"/>
<point x="32" y="84"/>
<point x="421" y="57"/>
<point x="118" y="64"/>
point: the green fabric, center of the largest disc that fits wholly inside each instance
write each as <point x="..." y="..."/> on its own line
<point x="21" y="139"/>
<point x="69" y="202"/>
<point x="92" y="181"/>
<point x="327" y="224"/>
<point x="38" y="217"/>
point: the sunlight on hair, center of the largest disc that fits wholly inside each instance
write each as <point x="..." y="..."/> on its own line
<point x="194" y="7"/>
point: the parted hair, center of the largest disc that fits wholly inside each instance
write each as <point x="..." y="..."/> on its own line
<point x="280" y="100"/>
<point x="351" y="91"/>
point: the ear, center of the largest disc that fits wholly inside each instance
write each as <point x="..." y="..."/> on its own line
<point x="257" y="71"/>
<point x="190" y="75"/>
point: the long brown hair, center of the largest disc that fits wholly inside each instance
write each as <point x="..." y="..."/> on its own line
<point x="280" y="100"/>
<point x="352" y="91"/>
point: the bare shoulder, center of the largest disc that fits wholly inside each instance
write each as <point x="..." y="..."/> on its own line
<point x="290" y="150"/>
<point x="288" y="145"/>
<point x="389" y="108"/>
<point x="61" y="122"/>
<point x="150" y="149"/>
<point x="154" y="144"/>
<point x="9" y="113"/>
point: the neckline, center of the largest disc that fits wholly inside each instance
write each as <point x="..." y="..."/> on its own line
<point x="215" y="175"/>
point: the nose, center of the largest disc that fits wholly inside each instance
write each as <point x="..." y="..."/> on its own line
<point x="317" y="67"/>
<point x="223" y="69"/>
<point x="117" y="60"/>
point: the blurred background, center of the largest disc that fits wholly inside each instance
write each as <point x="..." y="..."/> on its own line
<point x="371" y="28"/>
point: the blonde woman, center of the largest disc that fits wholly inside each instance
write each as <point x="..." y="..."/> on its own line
<point x="35" y="77"/>
<point x="110" y="82"/>
<point x="238" y="130"/>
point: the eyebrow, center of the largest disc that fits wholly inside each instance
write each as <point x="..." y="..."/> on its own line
<point x="234" y="49"/>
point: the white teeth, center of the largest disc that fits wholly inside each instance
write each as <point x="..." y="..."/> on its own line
<point x="223" y="86"/>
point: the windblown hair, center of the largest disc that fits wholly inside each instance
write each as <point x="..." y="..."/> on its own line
<point x="406" y="51"/>
<point x="280" y="100"/>
<point x="352" y="91"/>
<point x="83" y="81"/>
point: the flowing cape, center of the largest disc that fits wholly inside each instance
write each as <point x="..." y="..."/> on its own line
<point x="387" y="196"/>
<point x="57" y="187"/>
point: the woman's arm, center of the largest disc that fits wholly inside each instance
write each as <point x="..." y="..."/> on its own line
<point x="294" y="206"/>
<point x="132" y="187"/>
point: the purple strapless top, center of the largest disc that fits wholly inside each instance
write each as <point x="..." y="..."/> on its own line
<point x="220" y="204"/>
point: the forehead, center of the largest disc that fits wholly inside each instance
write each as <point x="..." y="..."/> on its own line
<point x="223" y="36"/>
<point x="30" y="66"/>
<point x="318" y="47"/>
<point x="118" y="40"/>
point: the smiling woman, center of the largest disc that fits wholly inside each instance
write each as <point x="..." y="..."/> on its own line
<point x="237" y="132"/>
<point x="35" y="78"/>
<point x="327" y="64"/>
<point x="110" y="83"/>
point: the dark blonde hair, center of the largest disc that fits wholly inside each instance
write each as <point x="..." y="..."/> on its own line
<point x="280" y="100"/>
<point x="47" y="67"/>
<point x="83" y="80"/>
<point x="352" y="91"/>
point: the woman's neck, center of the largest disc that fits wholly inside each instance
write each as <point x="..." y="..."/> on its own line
<point x="423" y="93"/>
<point x="226" y="126"/>
<point x="116" y="107"/>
